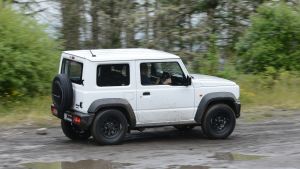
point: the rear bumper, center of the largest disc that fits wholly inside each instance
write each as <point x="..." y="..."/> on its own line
<point x="86" y="120"/>
<point x="83" y="120"/>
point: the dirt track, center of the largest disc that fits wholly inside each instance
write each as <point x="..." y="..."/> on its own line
<point x="274" y="143"/>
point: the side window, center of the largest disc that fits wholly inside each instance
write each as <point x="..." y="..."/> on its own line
<point x="73" y="70"/>
<point x="113" y="75"/>
<point x="161" y="73"/>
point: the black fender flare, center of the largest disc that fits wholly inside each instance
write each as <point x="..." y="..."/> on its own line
<point x="216" y="97"/>
<point x="114" y="103"/>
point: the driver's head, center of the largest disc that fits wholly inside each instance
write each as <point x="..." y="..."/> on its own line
<point x="144" y="69"/>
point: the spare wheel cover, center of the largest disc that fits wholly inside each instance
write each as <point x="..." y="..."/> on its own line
<point x="62" y="93"/>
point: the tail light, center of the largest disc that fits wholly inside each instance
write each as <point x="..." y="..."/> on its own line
<point x="76" y="120"/>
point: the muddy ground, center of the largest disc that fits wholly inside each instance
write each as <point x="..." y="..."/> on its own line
<point x="270" y="143"/>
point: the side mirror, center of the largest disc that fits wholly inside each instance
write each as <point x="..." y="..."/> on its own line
<point x="81" y="82"/>
<point x="188" y="80"/>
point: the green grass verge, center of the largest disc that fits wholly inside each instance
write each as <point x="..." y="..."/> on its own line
<point x="30" y="111"/>
<point x="264" y="97"/>
<point x="283" y="93"/>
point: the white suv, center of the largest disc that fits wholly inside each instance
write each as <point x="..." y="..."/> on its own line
<point x="108" y="92"/>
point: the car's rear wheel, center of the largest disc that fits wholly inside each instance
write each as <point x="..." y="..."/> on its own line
<point x="109" y="127"/>
<point x="219" y="121"/>
<point x="74" y="132"/>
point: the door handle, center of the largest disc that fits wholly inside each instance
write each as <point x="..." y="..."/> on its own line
<point x="146" y="93"/>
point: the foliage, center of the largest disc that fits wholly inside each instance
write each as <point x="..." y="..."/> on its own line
<point x="209" y="62"/>
<point x="27" y="55"/>
<point x="198" y="31"/>
<point x="204" y="63"/>
<point x="272" y="42"/>
<point x="229" y="72"/>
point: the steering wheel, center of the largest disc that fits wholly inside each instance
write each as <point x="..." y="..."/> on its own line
<point x="164" y="76"/>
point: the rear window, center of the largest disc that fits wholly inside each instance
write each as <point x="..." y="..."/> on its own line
<point x="73" y="70"/>
<point x="113" y="75"/>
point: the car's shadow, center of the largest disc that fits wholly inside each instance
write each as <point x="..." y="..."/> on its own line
<point x="164" y="134"/>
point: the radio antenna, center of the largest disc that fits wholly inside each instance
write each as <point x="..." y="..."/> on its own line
<point x="92" y="54"/>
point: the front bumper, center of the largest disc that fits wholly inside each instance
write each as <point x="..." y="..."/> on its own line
<point x="237" y="106"/>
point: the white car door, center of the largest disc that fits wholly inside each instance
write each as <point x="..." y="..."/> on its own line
<point x="159" y="104"/>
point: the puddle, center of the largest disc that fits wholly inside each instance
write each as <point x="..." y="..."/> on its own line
<point x="236" y="157"/>
<point x="83" y="164"/>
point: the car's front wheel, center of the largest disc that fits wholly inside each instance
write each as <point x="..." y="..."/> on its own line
<point x="74" y="132"/>
<point x="109" y="127"/>
<point x="218" y="122"/>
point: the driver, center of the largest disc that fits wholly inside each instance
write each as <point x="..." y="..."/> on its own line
<point x="145" y="80"/>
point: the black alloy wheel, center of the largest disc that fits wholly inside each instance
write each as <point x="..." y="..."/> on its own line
<point x="218" y="121"/>
<point x="109" y="127"/>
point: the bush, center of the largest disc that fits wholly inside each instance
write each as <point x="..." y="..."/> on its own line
<point x="272" y="41"/>
<point x="27" y="55"/>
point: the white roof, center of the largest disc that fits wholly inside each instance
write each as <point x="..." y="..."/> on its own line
<point x="121" y="54"/>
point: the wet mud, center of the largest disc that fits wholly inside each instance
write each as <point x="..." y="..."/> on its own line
<point x="273" y="143"/>
<point x="82" y="164"/>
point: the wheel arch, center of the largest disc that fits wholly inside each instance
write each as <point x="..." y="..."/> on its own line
<point x="114" y="103"/>
<point x="215" y="98"/>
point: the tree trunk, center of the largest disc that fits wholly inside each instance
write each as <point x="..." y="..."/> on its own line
<point x="95" y="23"/>
<point x="70" y="10"/>
<point x="147" y="21"/>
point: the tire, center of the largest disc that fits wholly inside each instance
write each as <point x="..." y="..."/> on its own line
<point x="184" y="127"/>
<point x="109" y="127"/>
<point x="62" y="93"/>
<point x="218" y="122"/>
<point x="74" y="132"/>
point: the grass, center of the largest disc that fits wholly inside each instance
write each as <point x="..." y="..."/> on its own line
<point x="283" y="93"/>
<point x="31" y="111"/>
<point x="262" y="98"/>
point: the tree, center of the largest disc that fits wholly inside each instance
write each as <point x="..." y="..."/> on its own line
<point x="181" y="27"/>
<point x="272" y="40"/>
<point x="71" y="22"/>
<point x="27" y="55"/>
<point x="210" y="60"/>
<point x="95" y="23"/>
<point x="129" y="23"/>
<point x="111" y="17"/>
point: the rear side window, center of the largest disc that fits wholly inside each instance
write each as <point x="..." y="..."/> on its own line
<point x="113" y="75"/>
<point x="73" y="70"/>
